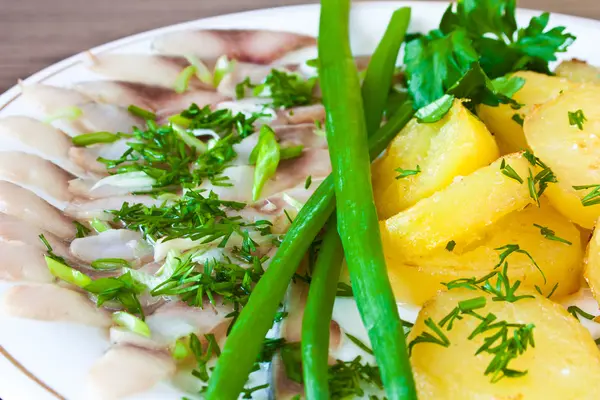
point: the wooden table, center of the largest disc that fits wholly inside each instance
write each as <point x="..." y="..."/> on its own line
<point x="37" y="33"/>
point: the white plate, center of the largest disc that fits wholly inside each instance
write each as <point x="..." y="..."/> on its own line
<point x="56" y="356"/>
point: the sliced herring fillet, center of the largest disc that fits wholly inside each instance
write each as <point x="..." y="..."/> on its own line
<point x="37" y="175"/>
<point x="49" y="302"/>
<point x="25" y="205"/>
<point x="32" y="136"/>
<point x="250" y="45"/>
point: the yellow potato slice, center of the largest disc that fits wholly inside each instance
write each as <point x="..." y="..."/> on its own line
<point x="573" y="154"/>
<point x="578" y="71"/>
<point x="458" y="144"/>
<point x="563" y="365"/>
<point x="538" y="89"/>
<point x="417" y="279"/>
<point x="592" y="264"/>
<point x="459" y="211"/>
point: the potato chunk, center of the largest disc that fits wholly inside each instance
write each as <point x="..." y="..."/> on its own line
<point x="572" y="153"/>
<point x="578" y="71"/>
<point x="592" y="264"/>
<point x="459" y="211"/>
<point x="563" y="365"/>
<point x="458" y="144"/>
<point x="415" y="280"/>
<point x="538" y="89"/>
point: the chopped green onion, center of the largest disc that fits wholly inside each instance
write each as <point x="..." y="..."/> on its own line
<point x="223" y="66"/>
<point x="99" y="226"/>
<point x="68" y="113"/>
<point x="131" y="322"/>
<point x="180" y="120"/>
<point x="202" y="72"/>
<point x="190" y="139"/>
<point x="67" y="274"/>
<point x="87" y="139"/>
<point x="267" y="159"/>
<point x="180" y="350"/>
<point x="140" y="112"/>
<point x="288" y="153"/>
<point x="308" y="182"/>
<point x="450" y="245"/>
<point x="109" y="264"/>
<point x="183" y="79"/>
<point x="435" y="111"/>
<point x="293" y="202"/>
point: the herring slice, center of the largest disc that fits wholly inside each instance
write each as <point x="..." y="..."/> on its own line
<point x="49" y="302"/>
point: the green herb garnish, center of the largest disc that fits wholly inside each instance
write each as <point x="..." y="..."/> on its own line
<point x="550" y="234"/>
<point x="509" y="171"/>
<point x="403" y="173"/>
<point x="577" y="118"/>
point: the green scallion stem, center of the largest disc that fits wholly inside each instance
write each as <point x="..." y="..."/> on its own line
<point x="109" y="264"/>
<point x="182" y="81"/>
<point x="140" y="112"/>
<point x="380" y="72"/>
<point x="357" y="217"/>
<point x="88" y="139"/>
<point x="317" y="314"/>
<point x="256" y="318"/>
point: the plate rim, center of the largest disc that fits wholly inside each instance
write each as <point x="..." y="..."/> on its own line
<point x="14" y="92"/>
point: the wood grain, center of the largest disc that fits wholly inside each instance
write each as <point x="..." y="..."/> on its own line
<point x="37" y="33"/>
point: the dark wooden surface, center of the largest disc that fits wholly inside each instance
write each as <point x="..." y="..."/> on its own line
<point x="37" y="33"/>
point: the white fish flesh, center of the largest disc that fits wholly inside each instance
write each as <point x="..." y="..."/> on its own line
<point x="23" y="262"/>
<point x="49" y="302"/>
<point x="126" y="370"/>
<point x="37" y="175"/>
<point x="154" y="70"/>
<point x="25" y="205"/>
<point x="112" y="243"/>
<point x="254" y="46"/>
<point x="163" y="101"/>
<point x="31" y="136"/>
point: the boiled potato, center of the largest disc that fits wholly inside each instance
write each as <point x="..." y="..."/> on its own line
<point x="418" y="279"/>
<point x="563" y="365"/>
<point x="592" y="264"/>
<point x="459" y="211"/>
<point x="578" y="71"/>
<point x="538" y="89"/>
<point x="458" y="144"/>
<point x="573" y="154"/>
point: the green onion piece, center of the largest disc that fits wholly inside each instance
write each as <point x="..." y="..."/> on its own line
<point x="245" y="340"/>
<point x="292" y="202"/>
<point x="380" y="72"/>
<point x="223" y="66"/>
<point x="131" y="323"/>
<point x="66" y="273"/>
<point x="202" y="72"/>
<point x="99" y="226"/>
<point x="88" y="139"/>
<point x="183" y="79"/>
<point x="267" y="159"/>
<point x="68" y="113"/>
<point x="358" y="224"/>
<point x="190" y="139"/>
<point x="317" y="314"/>
<point x="180" y="350"/>
<point x="288" y="153"/>
<point x="110" y="264"/>
<point x="180" y="120"/>
<point x="435" y="111"/>
<point x="140" y="112"/>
